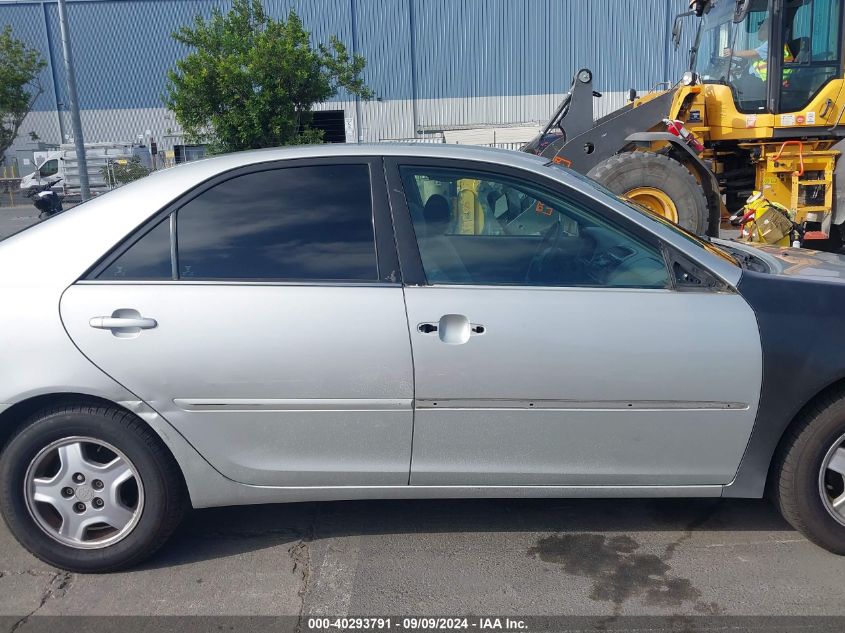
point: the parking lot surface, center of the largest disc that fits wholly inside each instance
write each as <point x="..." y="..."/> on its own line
<point x="529" y="557"/>
<point x="13" y="219"/>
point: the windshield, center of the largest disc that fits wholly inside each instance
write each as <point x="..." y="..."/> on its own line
<point x="735" y="54"/>
<point x="653" y="217"/>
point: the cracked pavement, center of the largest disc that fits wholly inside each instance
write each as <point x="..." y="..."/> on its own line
<point x="531" y="557"/>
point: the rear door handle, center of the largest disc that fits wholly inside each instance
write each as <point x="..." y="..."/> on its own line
<point x="112" y="323"/>
<point x="123" y="323"/>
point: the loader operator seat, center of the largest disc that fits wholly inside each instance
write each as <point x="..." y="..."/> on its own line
<point x="800" y="48"/>
<point x="799" y="82"/>
<point x="440" y="259"/>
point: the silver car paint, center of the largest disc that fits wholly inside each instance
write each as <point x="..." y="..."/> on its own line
<point x="39" y="359"/>
<point x="38" y="265"/>
<point x="795" y="262"/>
<point x="584" y="386"/>
<point x="274" y="384"/>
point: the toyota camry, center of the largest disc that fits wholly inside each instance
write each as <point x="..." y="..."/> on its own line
<point x="391" y="321"/>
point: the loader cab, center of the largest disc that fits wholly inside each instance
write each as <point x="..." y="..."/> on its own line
<point x="775" y="55"/>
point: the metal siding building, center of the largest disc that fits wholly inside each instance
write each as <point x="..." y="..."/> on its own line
<point x="433" y="64"/>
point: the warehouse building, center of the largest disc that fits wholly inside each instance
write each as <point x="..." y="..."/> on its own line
<point x="483" y="71"/>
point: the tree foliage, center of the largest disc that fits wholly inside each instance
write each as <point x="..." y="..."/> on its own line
<point x="250" y="81"/>
<point x="20" y="66"/>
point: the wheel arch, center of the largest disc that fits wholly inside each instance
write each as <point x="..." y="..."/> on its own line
<point x="834" y="387"/>
<point x="15" y="416"/>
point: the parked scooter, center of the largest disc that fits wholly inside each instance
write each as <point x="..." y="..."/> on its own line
<point x="46" y="200"/>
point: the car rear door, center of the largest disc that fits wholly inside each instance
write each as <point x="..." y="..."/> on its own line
<point x="552" y="346"/>
<point x="263" y="317"/>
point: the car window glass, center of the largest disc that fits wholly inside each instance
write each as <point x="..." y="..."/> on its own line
<point x="648" y="214"/>
<point x="146" y="259"/>
<point x="477" y="228"/>
<point x="297" y="223"/>
<point x="50" y="168"/>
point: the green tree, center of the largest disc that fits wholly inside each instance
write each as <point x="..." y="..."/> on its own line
<point x="20" y="66"/>
<point x="251" y="81"/>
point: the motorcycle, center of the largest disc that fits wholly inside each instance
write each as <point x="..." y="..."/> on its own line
<point x="46" y="200"/>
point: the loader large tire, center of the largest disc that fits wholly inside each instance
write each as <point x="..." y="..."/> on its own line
<point x="658" y="182"/>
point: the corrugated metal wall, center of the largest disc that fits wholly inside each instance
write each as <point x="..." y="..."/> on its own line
<point x="433" y="63"/>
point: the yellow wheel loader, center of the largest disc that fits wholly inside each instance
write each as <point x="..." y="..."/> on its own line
<point x="754" y="129"/>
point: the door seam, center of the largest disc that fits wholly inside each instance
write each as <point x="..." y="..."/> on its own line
<point x="413" y="386"/>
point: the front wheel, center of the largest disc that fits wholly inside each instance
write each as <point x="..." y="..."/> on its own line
<point x="659" y="183"/>
<point x="89" y="488"/>
<point x="808" y="478"/>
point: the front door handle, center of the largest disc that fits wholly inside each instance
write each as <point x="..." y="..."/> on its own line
<point x="452" y="329"/>
<point x="123" y="323"/>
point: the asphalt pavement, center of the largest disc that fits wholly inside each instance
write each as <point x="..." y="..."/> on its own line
<point x="13" y="219"/>
<point x="609" y="558"/>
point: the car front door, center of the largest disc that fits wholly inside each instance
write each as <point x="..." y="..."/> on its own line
<point x="258" y="317"/>
<point x="552" y="345"/>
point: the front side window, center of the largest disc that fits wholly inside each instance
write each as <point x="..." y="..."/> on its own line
<point x="49" y="168"/>
<point x="296" y="223"/>
<point x="478" y="228"/>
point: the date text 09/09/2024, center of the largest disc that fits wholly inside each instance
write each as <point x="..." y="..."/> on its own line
<point x="416" y="624"/>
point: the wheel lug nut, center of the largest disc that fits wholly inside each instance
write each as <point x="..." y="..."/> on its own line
<point x="97" y="503"/>
<point x="78" y="478"/>
<point x="67" y="492"/>
<point x="79" y="507"/>
<point x="97" y="484"/>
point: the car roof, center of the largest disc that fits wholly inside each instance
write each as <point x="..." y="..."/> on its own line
<point x="478" y="153"/>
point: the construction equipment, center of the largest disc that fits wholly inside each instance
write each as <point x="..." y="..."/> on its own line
<point x="760" y="109"/>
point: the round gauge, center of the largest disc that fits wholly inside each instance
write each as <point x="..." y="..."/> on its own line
<point x="585" y="76"/>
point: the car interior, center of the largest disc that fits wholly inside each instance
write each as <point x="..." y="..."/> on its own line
<point x="473" y="229"/>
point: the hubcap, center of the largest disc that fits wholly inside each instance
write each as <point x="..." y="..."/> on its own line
<point x="655" y="200"/>
<point x="83" y="492"/>
<point x="832" y="480"/>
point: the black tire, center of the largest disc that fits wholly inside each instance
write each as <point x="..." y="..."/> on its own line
<point x="165" y="498"/>
<point x="623" y="172"/>
<point x="794" y="479"/>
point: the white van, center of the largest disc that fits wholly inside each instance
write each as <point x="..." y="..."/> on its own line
<point x="60" y="167"/>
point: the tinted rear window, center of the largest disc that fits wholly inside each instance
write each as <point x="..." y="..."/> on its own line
<point x="296" y="223"/>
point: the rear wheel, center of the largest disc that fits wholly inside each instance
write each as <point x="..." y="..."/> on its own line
<point x="89" y="488"/>
<point x="808" y="483"/>
<point x="659" y="183"/>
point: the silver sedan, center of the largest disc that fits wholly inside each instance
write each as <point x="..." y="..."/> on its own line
<point x="347" y="322"/>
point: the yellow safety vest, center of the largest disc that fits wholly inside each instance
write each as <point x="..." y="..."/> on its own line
<point x="761" y="66"/>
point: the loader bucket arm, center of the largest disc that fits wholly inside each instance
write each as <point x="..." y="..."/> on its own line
<point x="608" y="135"/>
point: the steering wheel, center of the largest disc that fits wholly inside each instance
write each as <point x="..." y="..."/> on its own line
<point x="739" y="67"/>
<point x="545" y="253"/>
<point x="732" y="66"/>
